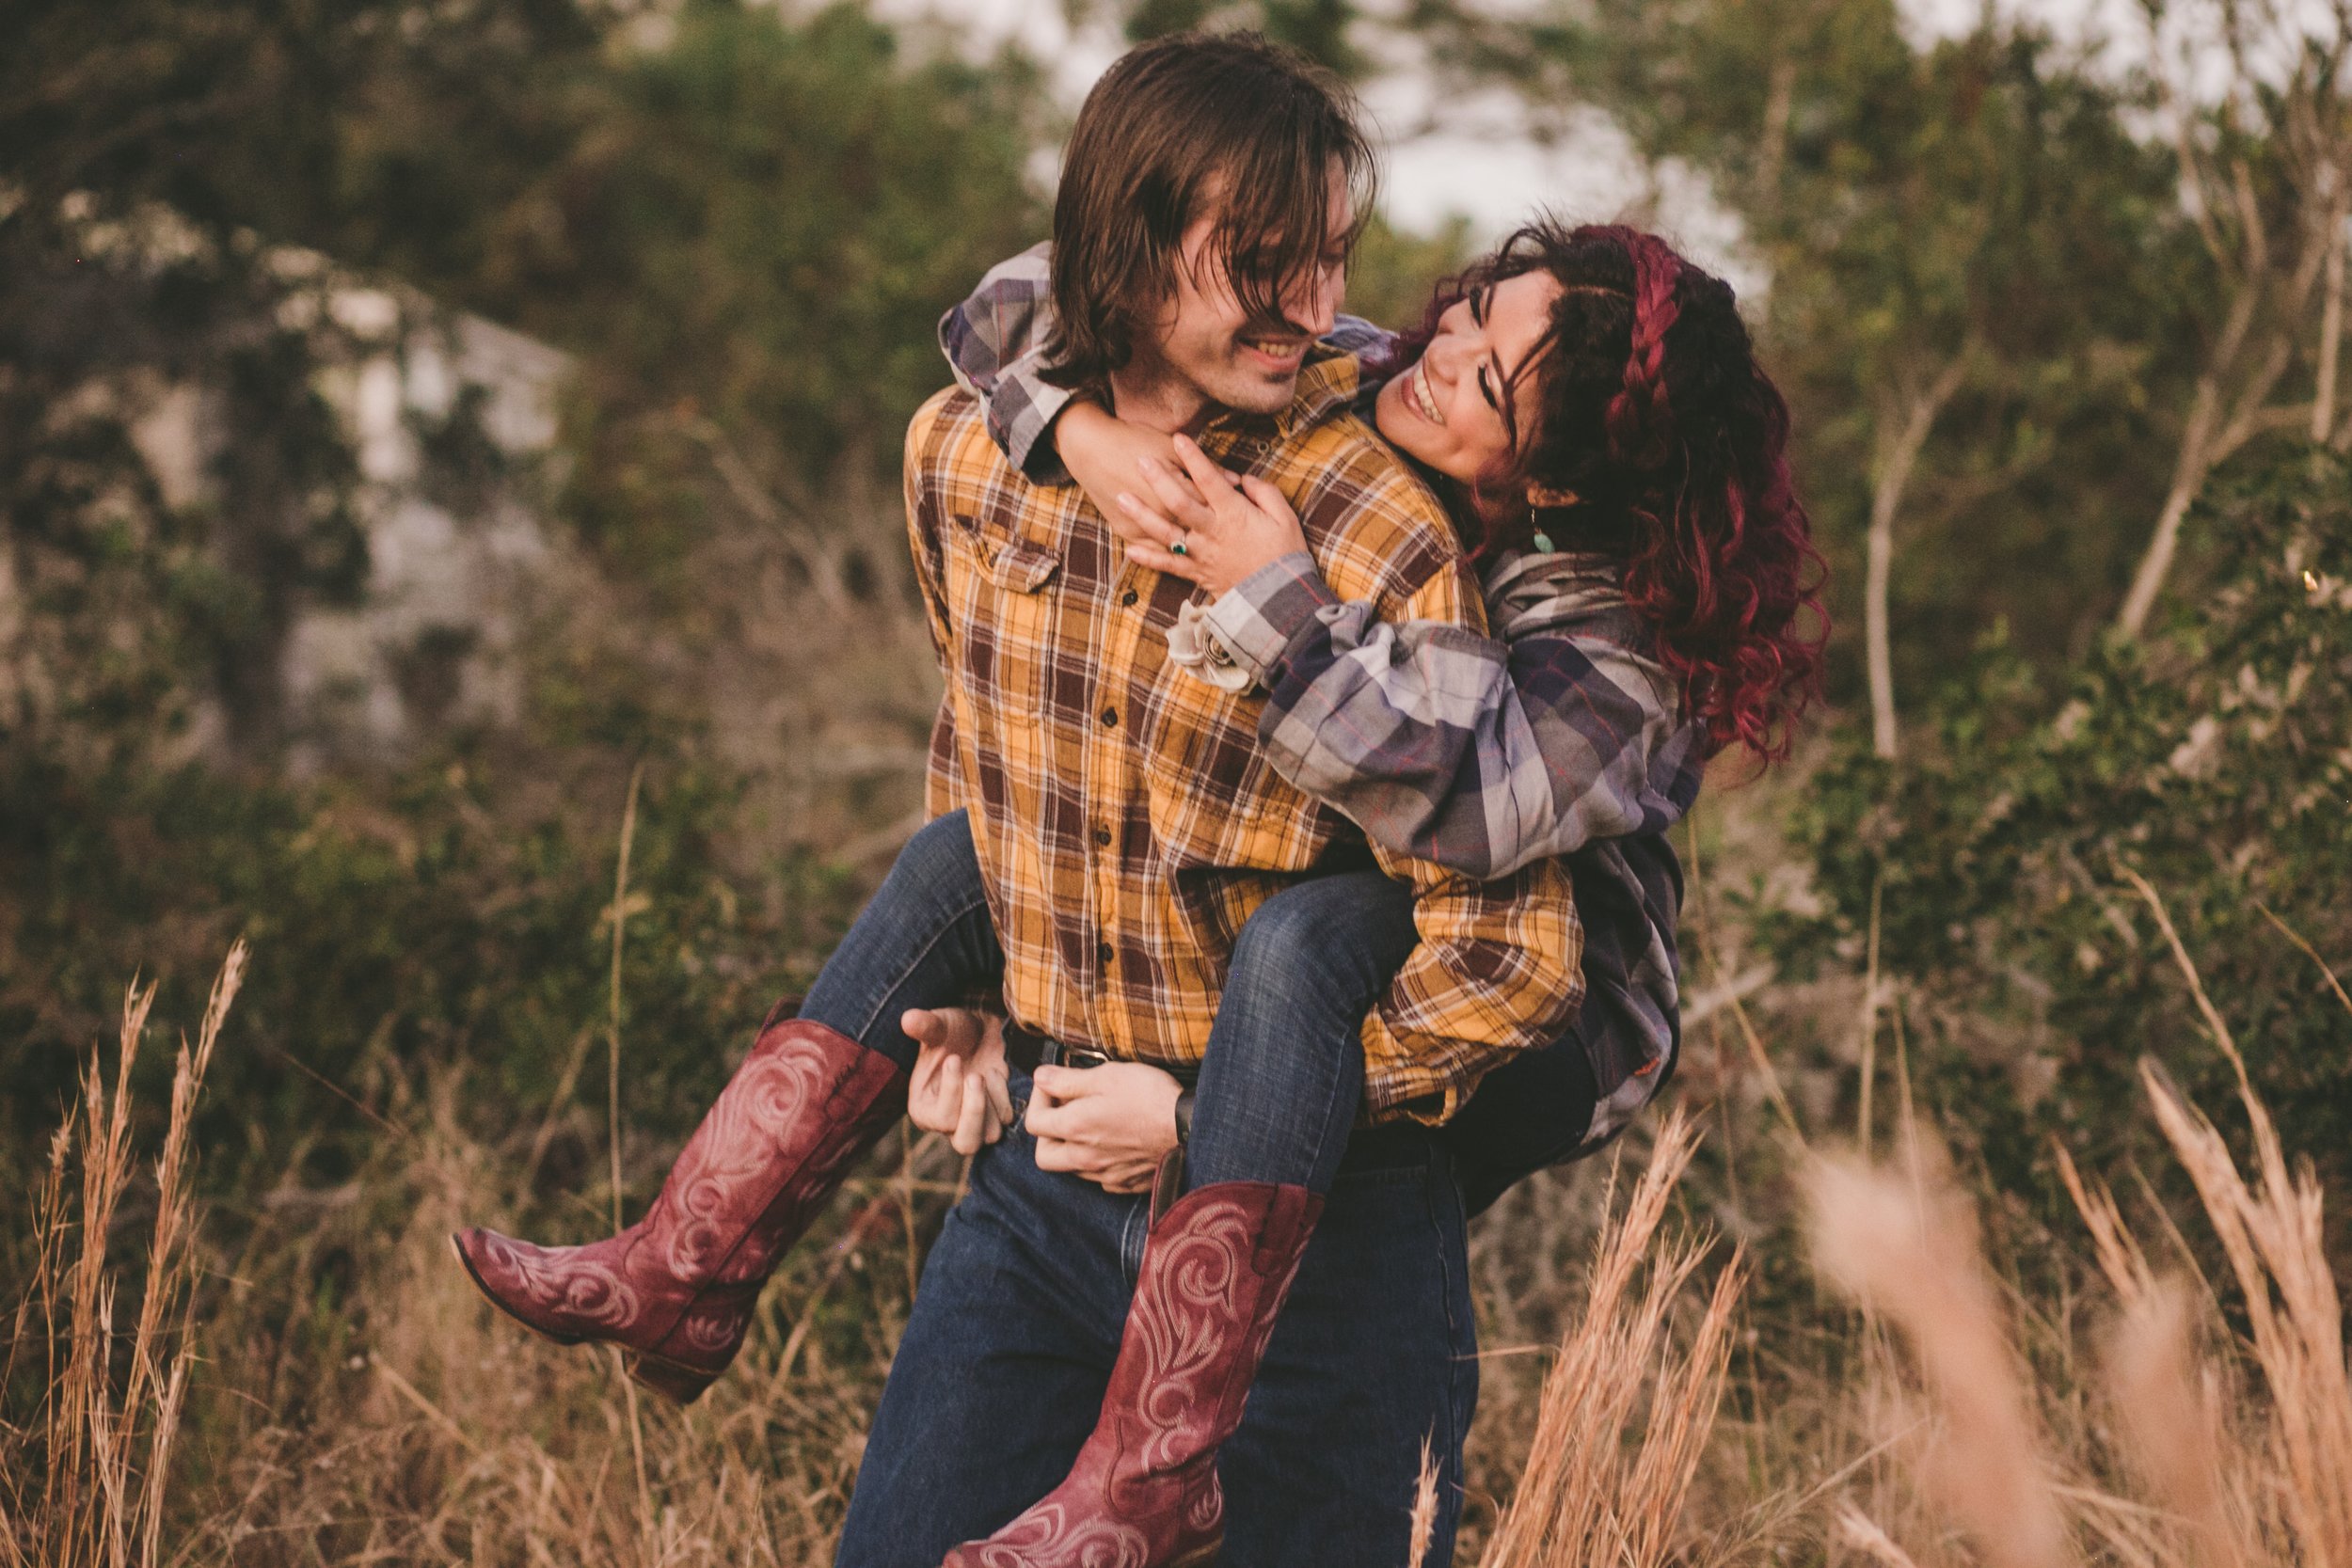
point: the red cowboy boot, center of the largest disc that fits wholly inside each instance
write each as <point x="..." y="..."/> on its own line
<point x="1144" y="1492"/>
<point x="677" y="1288"/>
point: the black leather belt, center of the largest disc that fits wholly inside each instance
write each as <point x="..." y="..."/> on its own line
<point x="1027" y="1049"/>
<point x="1398" y="1145"/>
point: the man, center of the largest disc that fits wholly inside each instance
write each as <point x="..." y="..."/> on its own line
<point x="1125" y="832"/>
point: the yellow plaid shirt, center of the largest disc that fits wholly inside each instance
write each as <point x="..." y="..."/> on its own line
<point x="1125" y="823"/>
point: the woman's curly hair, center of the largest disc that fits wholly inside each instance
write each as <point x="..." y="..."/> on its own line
<point x="1648" y="404"/>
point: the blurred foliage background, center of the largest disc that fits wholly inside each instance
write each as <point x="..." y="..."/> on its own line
<point x="2063" y="338"/>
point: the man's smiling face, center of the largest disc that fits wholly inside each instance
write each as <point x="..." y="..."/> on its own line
<point x="1213" y="350"/>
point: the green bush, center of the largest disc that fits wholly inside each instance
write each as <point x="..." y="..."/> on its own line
<point x="395" y="929"/>
<point x="742" y="238"/>
<point x="2213" y="759"/>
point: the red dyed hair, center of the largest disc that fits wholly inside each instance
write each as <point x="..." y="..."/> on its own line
<point x="1644" y="403"/>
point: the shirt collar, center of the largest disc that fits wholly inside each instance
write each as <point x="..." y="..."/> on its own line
<point x="1511" y="576"/>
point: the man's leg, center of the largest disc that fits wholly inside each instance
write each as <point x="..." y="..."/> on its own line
<point x="1278" y="1090"/>
<point x="1002" y="1367"/>
<point x="1377" y="1351"/>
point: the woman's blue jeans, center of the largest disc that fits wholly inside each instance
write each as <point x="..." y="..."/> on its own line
<point x="924" y="940"/>
<point x="1283" y="1075"/>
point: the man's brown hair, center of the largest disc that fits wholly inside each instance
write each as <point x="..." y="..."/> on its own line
<point x="1172" y="125"/>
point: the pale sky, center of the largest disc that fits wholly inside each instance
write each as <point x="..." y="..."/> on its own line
<point x="1474" y="157"/>
<point x="1469" y="156"/>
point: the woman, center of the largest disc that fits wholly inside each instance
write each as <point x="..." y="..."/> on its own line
<point x="1585" y="383"/>
<point x="1640" y="640"/>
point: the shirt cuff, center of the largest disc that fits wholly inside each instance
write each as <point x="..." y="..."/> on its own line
<point x="1192" y="649"/>
<point x="1257" y="618"/>
<point x="1029" y="442"/>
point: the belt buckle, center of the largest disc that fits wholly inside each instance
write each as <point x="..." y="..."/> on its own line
<point x="1083" y="1056"/>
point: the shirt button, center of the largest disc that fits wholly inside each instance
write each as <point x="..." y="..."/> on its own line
<point x="1102" y="837"/>
<point x="1103" y="953"/>
<point x="1128" y="598"/>
<point x="1110" y="718"/>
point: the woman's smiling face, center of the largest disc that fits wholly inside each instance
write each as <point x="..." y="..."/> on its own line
<point x="1446" y="409"/>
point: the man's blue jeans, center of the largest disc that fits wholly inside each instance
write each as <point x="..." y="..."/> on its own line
<point x="1001" y="1372"/>
<point x="1001" y="1369"/>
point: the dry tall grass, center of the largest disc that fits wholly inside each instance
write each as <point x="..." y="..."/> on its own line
<point x="2215" y="1451"/>
<point x="1625" y="1412"/>
<point x="330" y="1392"/>
<point x="88" y="1480"/>
<point x="1902" y="1243"/>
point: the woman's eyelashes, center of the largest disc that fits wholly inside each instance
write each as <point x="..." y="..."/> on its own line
<point x="1479" y="302"/>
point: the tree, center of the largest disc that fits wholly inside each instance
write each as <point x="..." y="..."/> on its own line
<point x="155" y="156"/>
<point x="1321" y="29"/>
<point x="1972" y="272"/>
<point x="2206" y="757"/>
<point x="2266" y="173"/>
<point x="748" y="237"/>
<point x="743" y="232"/>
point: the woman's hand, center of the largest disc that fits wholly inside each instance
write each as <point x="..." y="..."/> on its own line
<point x="959" y="1084"/>
<point x="1111" y="1124"/>
<point x="1205" y="525"/>
<point x="1104" y="455"/>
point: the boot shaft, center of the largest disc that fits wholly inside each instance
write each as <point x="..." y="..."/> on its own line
<point x="804" y="1104"/>
<point x="1216" y="1268"/>
<point x="1215" y="1271"/>
<point x="678" y="1286"/>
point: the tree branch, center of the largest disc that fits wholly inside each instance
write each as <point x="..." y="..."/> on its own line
<point x="768" y="508"/>
<point x="2202" y="445"/>
<point x="1898" y="455"/>
<point x="2189" y="476"/>
<point x="2249" y="213"/>
<point x="2330" y="315"/>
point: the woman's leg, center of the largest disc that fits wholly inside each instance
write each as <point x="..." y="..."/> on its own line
<point x="1284" y="1072"/>
<point x="676" y="1289"/>
<point x="1283" y="1075"/>
<point x="1529" y="1113"/>
<point x="924" y="940"/>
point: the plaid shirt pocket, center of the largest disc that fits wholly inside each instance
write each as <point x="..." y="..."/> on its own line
<point x="1008" y="617"/>
<point x="1022" y="568"/>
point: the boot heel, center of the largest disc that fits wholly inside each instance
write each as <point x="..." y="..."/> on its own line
<point x="677" y="1384"/>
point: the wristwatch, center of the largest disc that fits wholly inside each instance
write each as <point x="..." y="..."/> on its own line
<point x="1184" y="1119"/>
